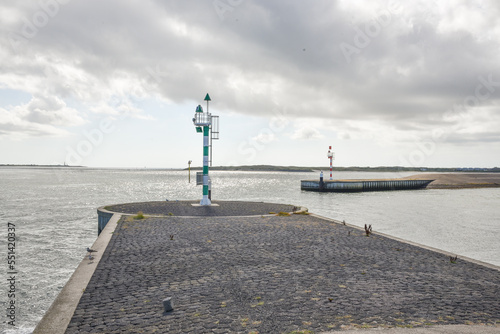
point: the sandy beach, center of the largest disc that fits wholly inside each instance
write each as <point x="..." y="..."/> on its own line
<point x="459" y="180"/>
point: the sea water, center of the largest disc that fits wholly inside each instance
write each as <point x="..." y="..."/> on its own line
<point x="53" y="211"/>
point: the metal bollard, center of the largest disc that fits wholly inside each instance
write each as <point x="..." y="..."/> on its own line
<point x="167" y="305"/>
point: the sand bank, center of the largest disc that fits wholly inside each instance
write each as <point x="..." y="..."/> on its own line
<point x="459" y="180"/>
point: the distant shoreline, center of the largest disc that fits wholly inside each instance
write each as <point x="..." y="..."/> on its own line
<point x="271" y="168"/>
<point x="33" y="165"/>
<point x="298" y="169"/>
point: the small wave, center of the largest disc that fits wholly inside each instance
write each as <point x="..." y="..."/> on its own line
<point x="19" y="330"/>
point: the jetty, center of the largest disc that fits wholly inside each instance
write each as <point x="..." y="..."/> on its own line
<point x="260" y="267"/>
<point x="418" y="181"/>
<point x="362" y="185"/>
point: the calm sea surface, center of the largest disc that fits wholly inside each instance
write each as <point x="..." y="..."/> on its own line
<point x="54" y="213"/>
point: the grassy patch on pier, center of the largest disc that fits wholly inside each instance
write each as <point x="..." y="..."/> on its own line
<point x="283" y="214"/>
<point x="140" y="215"/>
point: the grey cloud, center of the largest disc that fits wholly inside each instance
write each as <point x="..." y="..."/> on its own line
<point x="50" y="111"/>
<point x="259" y="53"/>
<point x="19" y="129"/>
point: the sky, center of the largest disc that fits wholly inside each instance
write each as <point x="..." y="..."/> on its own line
<point x="116" y="83"/>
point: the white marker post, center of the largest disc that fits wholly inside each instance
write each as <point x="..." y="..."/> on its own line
<point x="330" y="156"/>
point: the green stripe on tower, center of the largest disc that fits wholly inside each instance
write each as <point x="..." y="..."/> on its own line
<point x="206" y="152"/>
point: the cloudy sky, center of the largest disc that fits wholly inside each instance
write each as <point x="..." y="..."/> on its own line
<point x="116" y="83"/>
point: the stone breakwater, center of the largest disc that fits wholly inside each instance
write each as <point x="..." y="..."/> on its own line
<point x="419" y="181"/>
<point x="275" y="274"/>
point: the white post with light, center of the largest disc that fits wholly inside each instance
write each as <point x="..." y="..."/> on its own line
<point x="331" y="157"/>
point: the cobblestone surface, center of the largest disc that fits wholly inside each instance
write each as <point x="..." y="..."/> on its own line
<point x="275" y="275"/>
<point x="185" y="208"/>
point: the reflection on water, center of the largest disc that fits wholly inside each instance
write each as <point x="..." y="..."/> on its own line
<point x="55" y="215"/>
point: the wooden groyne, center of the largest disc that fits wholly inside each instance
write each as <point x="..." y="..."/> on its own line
<point x="362" y="185"/>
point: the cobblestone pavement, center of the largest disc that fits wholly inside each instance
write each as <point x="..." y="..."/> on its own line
<point x="185" y="208"/>
<point x="275" y="275"/>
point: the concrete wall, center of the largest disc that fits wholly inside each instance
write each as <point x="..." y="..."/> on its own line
<point x="103" y="217"/>
<point x="57" y="318"/>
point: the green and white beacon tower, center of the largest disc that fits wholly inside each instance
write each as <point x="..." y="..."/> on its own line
<point x="207" y="124"/>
